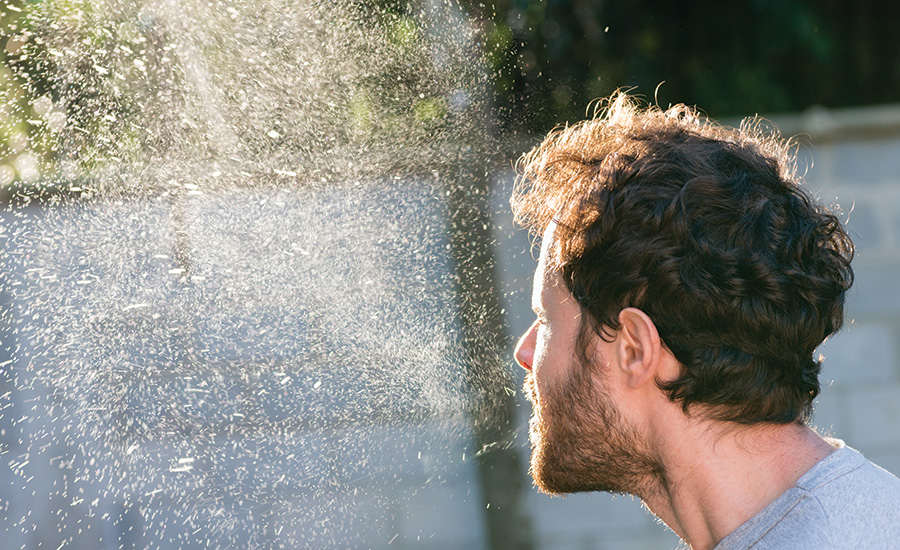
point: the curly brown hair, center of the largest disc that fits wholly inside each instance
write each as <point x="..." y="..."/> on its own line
<point x="707" y="230"/>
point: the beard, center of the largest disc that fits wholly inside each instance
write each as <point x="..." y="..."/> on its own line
<point x="580" y="442"/>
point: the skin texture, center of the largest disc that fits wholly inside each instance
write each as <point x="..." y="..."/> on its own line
<point x="605" y="425"/>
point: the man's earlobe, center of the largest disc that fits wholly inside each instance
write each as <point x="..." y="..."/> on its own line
<point x="639" y="347"/>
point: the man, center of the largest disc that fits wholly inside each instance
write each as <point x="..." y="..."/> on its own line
<point x="684" y="282"/>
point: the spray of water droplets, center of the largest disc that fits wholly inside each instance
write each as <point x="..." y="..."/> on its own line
<point x="230" y="314"/>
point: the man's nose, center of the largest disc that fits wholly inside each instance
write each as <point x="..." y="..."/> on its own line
<point x="525" y="348"/>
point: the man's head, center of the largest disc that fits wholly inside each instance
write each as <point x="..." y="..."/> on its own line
<point x="697" y="233"/>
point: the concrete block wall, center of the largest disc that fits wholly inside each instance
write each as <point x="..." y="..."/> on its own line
<point x="860" y="400"/>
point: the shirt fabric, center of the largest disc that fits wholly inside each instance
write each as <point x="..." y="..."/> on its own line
<point x="843" y="502"/>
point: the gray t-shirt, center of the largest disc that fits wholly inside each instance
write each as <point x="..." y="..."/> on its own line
<point x="844" y="501"/>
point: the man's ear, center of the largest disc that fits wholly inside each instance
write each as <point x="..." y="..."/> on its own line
<point x="638" y="346"/>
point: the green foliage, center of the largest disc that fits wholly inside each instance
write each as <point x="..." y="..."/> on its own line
<point x="88" y="85"/>
<point x="403" y="32"/>
<point x="67" y="69"/>
<point x="122" y="93"/>
<point x="730" y="58"/>
<point x="24" y="113"/>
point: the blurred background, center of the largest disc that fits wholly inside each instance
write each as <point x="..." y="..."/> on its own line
<point x="259" y="282"/>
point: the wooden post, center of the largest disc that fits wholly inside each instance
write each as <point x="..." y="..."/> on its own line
<point x="502" y="477"/>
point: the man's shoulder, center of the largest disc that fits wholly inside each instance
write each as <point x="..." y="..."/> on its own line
<point x="845" y="501"/>
<point x="859" y="501"/>
<point x="846" y="482"/>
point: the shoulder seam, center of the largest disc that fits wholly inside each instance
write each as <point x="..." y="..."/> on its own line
<point x="834" y="478"/>
<point x="780" y="519"/>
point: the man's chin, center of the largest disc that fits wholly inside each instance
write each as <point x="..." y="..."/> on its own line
<point x="556" y="482"/>
<point x="553" y="475"/>
<point x="539" y="472"/>
<point x="547" y="479"/>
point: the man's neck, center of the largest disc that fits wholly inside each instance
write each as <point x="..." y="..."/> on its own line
<point x="722" y="476"/>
